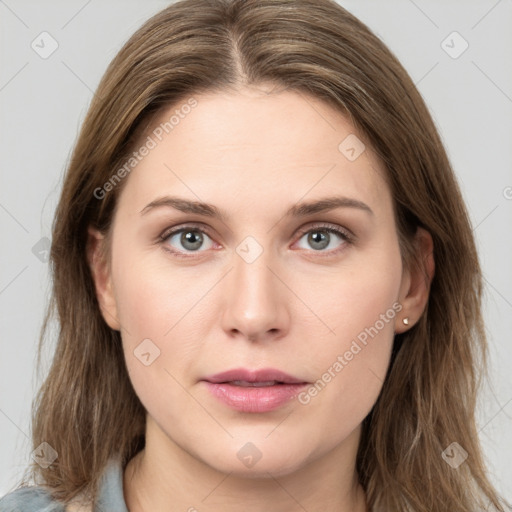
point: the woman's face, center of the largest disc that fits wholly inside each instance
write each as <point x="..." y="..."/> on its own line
<point x="255" y="281"/>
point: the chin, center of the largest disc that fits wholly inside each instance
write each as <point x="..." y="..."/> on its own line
<point x="249" y="461"/>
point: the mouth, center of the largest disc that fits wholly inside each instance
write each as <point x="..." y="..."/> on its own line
<point x="247" y="384"/>
<point x="254" y="391"/>
<point x="247" y="377"/>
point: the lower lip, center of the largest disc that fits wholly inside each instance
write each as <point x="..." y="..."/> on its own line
<point x="254" y="399"/>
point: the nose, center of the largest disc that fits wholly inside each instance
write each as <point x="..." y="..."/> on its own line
<point x="256" y="306"/>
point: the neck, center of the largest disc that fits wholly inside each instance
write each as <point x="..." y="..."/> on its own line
<point x="171" y="479"/>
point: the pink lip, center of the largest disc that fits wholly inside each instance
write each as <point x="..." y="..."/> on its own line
<point x="262" y="375"/>
<point x="254" y="399"/>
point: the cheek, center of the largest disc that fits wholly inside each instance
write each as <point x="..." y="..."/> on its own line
<point x="152" y="298"/>
<point x="361" y="308"/>
<point x="349" y="373"/>
<point x="161" y="336"/>
<point x="143" y="305"/>
<point x="362" y="293"/>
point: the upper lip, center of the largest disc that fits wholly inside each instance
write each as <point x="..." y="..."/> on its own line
<point x="245" y="374"/>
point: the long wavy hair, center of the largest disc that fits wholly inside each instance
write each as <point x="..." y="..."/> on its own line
<point x="86" y="408"/>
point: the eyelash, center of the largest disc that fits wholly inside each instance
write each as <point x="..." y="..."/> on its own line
<point x="344" y="234"/>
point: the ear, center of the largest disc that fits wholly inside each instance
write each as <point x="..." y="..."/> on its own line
<point x="416" y="280"/>
<point x="102" y="278"/>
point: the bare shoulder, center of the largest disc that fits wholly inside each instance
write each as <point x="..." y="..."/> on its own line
<point x="78" y="507"/>
<point x="79" y="504"/>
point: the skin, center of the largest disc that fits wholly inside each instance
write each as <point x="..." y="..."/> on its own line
<point x="254" y="153"/>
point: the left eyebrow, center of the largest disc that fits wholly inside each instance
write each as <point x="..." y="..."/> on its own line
<point x="297" y="210"/>
<point x="325" y="204"/>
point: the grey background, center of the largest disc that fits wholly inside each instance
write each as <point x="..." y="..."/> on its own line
<point x="43" y="102"/>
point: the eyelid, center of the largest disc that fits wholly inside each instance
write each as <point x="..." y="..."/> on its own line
<point x="167" y="232"/>
<point x="344" y="233"/>
<point x="327" y="225"/>
<point x="303" y="230"/>
<point x="190" y="226"/>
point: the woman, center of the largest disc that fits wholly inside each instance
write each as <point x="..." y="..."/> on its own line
<point x="265" y="278"/>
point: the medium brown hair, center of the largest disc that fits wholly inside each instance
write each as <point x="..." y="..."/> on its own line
<point x="87" y="409"/>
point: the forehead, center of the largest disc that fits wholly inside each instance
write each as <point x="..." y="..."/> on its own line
<point x="255" y="145"/>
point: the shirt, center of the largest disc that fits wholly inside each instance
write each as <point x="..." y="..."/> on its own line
<point x="37" y="499"/>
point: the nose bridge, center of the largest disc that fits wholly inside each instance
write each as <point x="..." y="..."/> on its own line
<point x="254" y="302"/>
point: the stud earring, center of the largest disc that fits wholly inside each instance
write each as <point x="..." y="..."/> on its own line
<point x="406" y="320"/>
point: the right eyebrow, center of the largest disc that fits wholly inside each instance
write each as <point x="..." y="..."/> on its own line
<point x="186" y="206"/>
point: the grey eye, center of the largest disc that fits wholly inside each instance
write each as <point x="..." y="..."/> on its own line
<point x="320" y="239"/>
<point x="189" y="239"/>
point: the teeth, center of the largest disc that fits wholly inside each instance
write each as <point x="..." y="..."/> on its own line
<point x="247" y="384"/>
